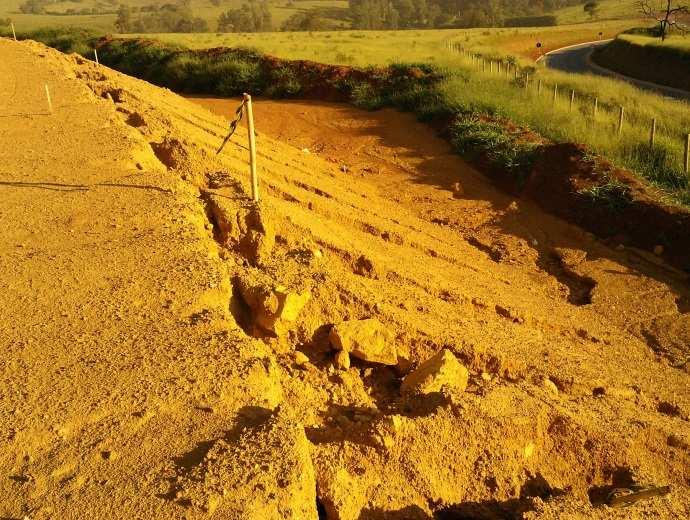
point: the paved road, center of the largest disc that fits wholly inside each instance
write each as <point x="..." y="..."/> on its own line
<point x="577" y="59"/>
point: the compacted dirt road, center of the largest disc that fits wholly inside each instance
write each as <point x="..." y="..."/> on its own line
<point x="168" y="352"/>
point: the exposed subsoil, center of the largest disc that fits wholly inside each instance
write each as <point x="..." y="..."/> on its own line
<point x="137" y="383"/>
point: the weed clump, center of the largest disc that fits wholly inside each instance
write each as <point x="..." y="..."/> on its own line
<point x="613" y="195"/>
<point x="657" y="166"/>
<point x="474" y="136"/>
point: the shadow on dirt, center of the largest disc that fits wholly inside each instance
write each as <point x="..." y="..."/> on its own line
<point x="511" y="509"/>
<point x="248" y="416"/>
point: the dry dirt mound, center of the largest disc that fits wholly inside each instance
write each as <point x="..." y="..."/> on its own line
<point x="168" y="349"/>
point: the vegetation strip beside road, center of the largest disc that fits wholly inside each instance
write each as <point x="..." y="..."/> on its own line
<point x="632" y="55"/>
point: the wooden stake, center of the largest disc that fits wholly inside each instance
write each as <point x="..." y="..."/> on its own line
<point x="539" y="88"/>
<point x="527" y="80"/>
<point x="620" y="120"/>
<point x="95" y="54"/>
<point x="596" y="107"/>
<point x="13" y="32"/>
<point x="252" y="147"/>
<point x="572" y="99"/>
<point x="555" y="94"/>
<point x="687" y="154"/>
<point x="50" y="102"/>
<point x="652" y="134"/>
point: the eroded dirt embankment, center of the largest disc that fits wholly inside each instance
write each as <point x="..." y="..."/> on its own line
<point x="181" y="363"/>
<point x="565" y="178"/>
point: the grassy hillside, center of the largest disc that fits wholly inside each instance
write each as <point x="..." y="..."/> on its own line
<point x="631" y="54"/>
<point x="334" y="11"/>
<point x="385" y="47"/>
<point x="608" y="10"/>
<point x="280" y="11"/>
<point x="470" y="89"/>
<point x="676" y="43"/>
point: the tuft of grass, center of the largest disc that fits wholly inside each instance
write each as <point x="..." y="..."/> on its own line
<point x="613" y="195"/>
<point x="473" y="136"/>
<point x="657" y="166"/>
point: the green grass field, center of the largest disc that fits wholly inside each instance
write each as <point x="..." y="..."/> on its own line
<point x="280" y="11"/>
<point x="385" y="47"/>
<point x="675" y="42"/>
<point x="608" y="10"/>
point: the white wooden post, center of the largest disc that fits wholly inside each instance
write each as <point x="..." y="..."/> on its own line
<point x="252" y="147"/>
<point x="50" y="102"/>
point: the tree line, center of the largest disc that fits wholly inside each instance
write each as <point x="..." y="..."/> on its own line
<point x="407" y="14"/>
<point x="255" y="15"/>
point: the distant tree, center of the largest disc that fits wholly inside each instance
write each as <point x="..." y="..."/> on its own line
<point x="34" y="6"/>
<point x="390" y="14"/>
<point x="252" y="17"/>
<point x="591" y="8"/>
<point x="216" y="2"/>
<point x="123" y="23"/>
<point x="667" y="17"/>
<point x="305" y="21"/>
<point x="175" y="17"/>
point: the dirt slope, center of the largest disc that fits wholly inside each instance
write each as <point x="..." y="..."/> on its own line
<point x="132" y="385"/>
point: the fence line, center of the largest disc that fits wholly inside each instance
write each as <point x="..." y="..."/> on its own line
<point x="618" y="127"/>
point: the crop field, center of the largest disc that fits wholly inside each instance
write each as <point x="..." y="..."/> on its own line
<point x="612" y="14"/>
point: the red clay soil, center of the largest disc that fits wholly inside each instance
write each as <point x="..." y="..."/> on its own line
<point x="635" y="216"/>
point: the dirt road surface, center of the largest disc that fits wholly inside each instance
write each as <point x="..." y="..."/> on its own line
<point x="139" y="379"/>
